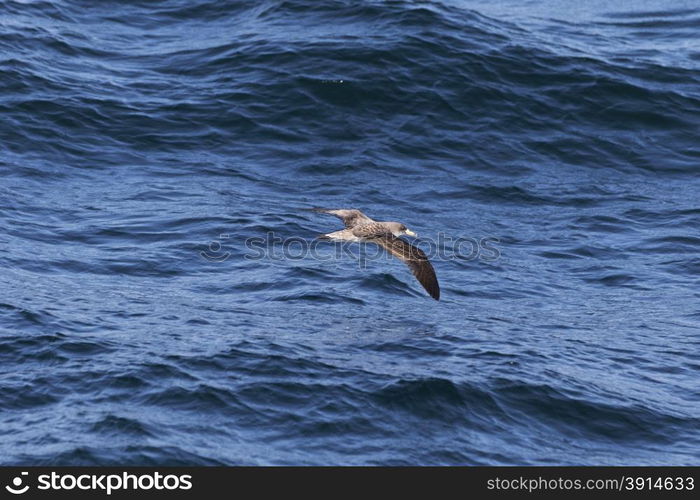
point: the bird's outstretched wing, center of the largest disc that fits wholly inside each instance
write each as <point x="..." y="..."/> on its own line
<point x="350" y="217"/>
<point x="414" y="258"/>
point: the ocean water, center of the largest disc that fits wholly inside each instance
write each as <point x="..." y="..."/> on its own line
<point x="162" y="298"/>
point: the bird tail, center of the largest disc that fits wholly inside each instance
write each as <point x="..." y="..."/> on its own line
<point x="323" y="237"/>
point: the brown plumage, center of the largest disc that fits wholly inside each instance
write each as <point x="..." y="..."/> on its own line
<point x="359" y="227"/>
<point x="350" y="218"/>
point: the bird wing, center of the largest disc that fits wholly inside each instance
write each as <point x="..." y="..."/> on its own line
<point x="350" y="217"/>
<point x="415" y="259"/>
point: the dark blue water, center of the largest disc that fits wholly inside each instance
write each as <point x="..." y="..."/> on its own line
<point x="143" y="142"/>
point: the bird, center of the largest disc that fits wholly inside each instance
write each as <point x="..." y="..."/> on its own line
<point x="360" y="228"/>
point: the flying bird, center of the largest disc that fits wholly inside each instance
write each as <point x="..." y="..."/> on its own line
<point x="360" y="228"/>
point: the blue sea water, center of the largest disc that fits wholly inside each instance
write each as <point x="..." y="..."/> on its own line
<point x="143" y="143"/>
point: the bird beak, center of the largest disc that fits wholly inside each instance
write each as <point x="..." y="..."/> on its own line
<point x="411" y="233"/>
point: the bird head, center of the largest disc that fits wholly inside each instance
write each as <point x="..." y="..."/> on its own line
<point x="398" y="229"/>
